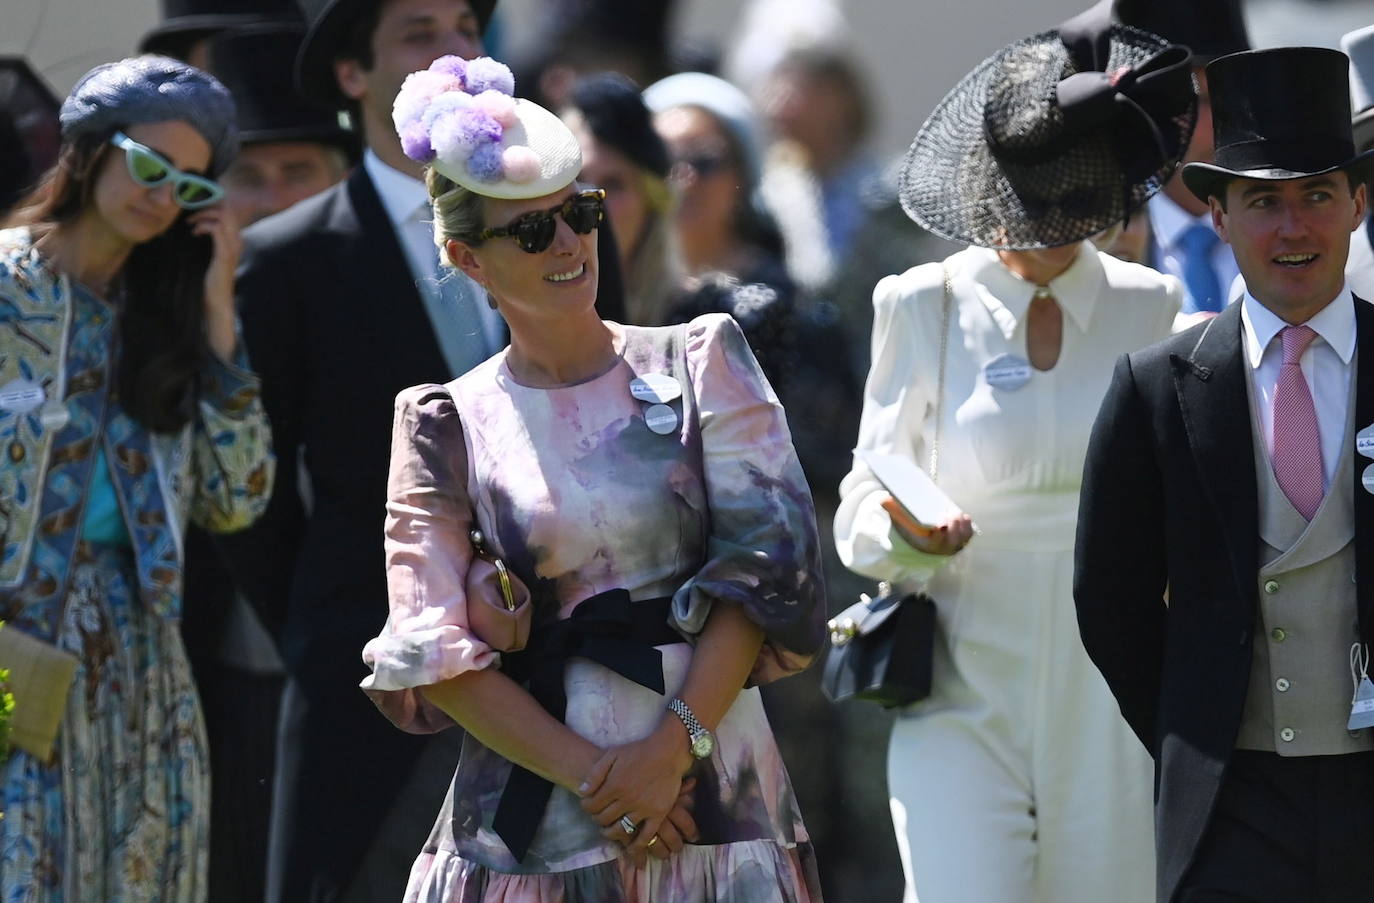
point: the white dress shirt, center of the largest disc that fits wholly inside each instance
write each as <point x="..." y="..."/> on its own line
<point x="406" y="202"/>
<point x="1326" y="365"/>
<point x="1359" y="268"/>
<point x="1168" y="222"/>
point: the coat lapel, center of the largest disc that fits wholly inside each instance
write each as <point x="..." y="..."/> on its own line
<point x="1215" y="403"/>
<point x="394" y="313"/>
<point x="1364" y="501"/>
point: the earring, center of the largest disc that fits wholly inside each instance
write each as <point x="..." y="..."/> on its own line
<point x="491" y="301"/>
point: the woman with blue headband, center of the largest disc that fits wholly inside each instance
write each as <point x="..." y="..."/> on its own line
<point x="127" y="409"/>
<point x="641" y="484"/>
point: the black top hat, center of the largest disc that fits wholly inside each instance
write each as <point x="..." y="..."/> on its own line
<point x="1278" y="114"/>
<point x="1053" y="138"/>
<point x="1209" y="28"/>
<point x="186" y="21"/>
<point x="1359" y="46"/>
<point x="256" y="65"/>
<point x="330" y="21"/>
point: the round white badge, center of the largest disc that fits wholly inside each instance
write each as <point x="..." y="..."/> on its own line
<point x="54" y="415"/>
<point x="656" y="388"/>
<point x="1367" y="478"/>
<point x="1007" y="372"/>
<point x="21" y="396"/>
<point x="1364" y="441"/>
<point x="661" y="419"/>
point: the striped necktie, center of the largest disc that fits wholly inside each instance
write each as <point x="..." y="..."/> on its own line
<point x="1297" y="446"/>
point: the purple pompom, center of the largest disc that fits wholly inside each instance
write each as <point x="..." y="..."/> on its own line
<point x="452" y="65"/>
<point x="457" y="135"/>
<point x="415" y="142"/>
<point x="448" y="102"/>
<point x="485" y="163"/>
<point x="486" y="74"/>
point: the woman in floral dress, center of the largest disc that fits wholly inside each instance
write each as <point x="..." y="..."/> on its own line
<point x="642" y="483"/>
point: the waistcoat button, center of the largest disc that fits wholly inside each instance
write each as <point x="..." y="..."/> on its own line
<point x="1287" y="734"/>
<point x="1278" y="635"/>
<point x="1271" y="586"/>
<point x="1282" y="684"/>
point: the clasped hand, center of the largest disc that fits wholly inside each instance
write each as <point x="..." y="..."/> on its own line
<point x="643" y="781"/>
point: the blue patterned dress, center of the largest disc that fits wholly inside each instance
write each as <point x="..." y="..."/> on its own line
<point x="120" y="813"/>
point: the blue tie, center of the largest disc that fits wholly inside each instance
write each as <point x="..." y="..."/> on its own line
<point x="1204" y="289"/>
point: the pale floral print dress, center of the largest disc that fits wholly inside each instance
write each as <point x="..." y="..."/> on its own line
<point x="581" y="496"/>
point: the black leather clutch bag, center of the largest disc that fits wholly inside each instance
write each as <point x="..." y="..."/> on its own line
<point x="881" y="649"/>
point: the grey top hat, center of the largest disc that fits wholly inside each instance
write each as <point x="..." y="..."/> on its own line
<point x="330" y="21"/>
<point x="1278" y="114"/>
<point x="153" y="88"/>
<point x="1052" y="139"/>
<point x="1359" y="46"/>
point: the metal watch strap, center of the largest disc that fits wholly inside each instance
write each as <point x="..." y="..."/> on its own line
<point x="689" y="720"/>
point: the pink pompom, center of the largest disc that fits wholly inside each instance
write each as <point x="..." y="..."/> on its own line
<point x="415" y="142"/>
<point x="498" y="106"/>
<point x="415" y="95"/>
<point x="451" y="65"/>
<point x="486" y="74"/>
<point x="520" y="163"/>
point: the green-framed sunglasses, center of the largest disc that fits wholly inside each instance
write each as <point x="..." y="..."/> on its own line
<point x="150" y="169"/>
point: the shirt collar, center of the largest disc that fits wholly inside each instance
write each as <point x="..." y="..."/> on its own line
<point x="1335" y="323"/>
<point x="1169" y="221"/>
<point x="1008" y="296"/>
<point x="402" y="195"/>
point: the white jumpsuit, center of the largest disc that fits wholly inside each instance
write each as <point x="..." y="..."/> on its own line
<point x="1017" y="779"/>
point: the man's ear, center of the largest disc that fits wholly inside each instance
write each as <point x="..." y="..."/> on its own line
<point x="1218" y="217"/>
<point x="352" y="78"/>
<point x="1361" y="205"/>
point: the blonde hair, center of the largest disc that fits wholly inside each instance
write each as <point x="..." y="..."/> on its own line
<point x="457" y="212"/>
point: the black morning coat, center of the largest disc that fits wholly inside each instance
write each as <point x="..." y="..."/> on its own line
<point x="1170" y="499"/>
<point x="335" y="326"/>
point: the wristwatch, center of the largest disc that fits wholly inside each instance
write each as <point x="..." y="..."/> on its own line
<point x="699" y="740"/>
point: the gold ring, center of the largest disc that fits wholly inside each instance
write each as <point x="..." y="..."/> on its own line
<point x="652" y="840"/>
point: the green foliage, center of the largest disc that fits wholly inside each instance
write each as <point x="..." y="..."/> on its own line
<point x="6" y="711"/>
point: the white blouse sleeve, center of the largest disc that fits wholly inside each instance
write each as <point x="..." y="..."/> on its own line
<point x="899" y="396"/>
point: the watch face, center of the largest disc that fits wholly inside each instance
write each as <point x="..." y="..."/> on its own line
<point x="703" y="745"/>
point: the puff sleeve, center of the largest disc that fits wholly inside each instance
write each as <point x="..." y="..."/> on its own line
<point x="426" y="639"/>
<point x="899" y="397"/>
<point x="763" y="552"/>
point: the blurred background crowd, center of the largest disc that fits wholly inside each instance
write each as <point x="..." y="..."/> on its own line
<point x="756" y="175"/>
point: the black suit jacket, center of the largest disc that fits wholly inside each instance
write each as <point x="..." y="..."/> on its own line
<point x="335" y="326"/>
<point x="1170" y="499"/>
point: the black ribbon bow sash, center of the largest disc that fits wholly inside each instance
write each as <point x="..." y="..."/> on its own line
<point x="607" y="628"/>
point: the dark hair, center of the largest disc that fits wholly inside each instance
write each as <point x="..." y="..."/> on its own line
<point x="356" y="44"/>
<point x="161" y="317"/>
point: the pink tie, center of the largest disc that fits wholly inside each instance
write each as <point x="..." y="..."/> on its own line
<point x="1297" y="439"/>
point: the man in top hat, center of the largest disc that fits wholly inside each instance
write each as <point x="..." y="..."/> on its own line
<point x="1225" y="554"/>
<point x="290" y="149"/>
<point x="1359" y="46"/>
<point x="1181" y="241"/>
<point x="342" y="307"/>
<point x="187" y="25"/>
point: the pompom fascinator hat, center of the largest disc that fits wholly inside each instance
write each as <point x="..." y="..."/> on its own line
<point x="153" y="88"/>
<point x="461" y="118"/>
<point x="1054" y="138"/>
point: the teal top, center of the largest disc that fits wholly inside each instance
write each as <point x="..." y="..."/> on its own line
<point x="104" y="521"/>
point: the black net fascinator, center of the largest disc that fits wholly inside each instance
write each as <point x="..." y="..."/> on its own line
<point x="1052" y="139"/>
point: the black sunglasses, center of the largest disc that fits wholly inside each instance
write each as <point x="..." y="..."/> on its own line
<point x="534" y="231"/>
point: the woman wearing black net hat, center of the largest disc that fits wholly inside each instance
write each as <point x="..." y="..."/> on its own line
<point x="1016" y="779"/>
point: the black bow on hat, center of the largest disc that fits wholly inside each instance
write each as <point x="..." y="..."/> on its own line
<point x="1054" y="138"/>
